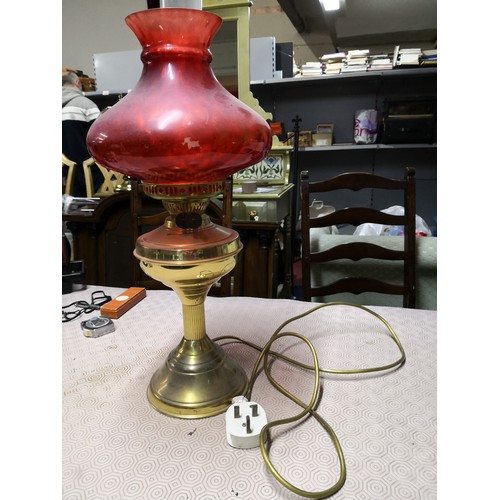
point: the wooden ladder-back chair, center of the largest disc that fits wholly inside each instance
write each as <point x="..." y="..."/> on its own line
<point x="107" y="188"/>
<point x="356" y="249"/>
<point x="147" y="214"/>
<point x="70" y="175"/>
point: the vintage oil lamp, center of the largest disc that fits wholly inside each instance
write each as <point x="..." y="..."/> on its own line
<point x="181" y="133"/>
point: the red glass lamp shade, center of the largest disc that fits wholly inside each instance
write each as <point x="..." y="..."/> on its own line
<point x="179" y="125"/>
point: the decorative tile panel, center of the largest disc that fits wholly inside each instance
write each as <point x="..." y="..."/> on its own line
<point x="274" y="168"/>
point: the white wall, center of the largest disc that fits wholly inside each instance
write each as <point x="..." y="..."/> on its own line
<point x="267" y="19"/>
<point x="94" y="26"/>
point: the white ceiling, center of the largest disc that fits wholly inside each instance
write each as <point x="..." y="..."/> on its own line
<point x="362" y="23"/>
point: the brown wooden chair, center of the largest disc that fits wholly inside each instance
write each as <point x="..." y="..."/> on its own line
<point x="147" y="214"/>
<point x="108" y="186"/>
<point x="356" y="249"/>
<point x="69" y="176"/>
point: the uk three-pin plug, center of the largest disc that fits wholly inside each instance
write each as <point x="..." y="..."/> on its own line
<point x="244" y="421"/>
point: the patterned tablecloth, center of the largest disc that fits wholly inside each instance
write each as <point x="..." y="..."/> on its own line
<point x="115" y="446"/>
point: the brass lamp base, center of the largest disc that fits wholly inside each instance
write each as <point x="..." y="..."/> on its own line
<point x="197" y="379"/>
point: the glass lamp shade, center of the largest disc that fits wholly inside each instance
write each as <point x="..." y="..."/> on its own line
<point x="179" y="125"/>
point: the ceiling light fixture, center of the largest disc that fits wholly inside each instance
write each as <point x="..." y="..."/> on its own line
<point x="329" y="5"/>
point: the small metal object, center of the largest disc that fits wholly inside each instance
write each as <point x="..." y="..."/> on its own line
<point x="97" y="326"/>
<point x="255" y="410"/>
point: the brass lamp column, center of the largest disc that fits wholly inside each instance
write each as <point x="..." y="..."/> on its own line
<point x="189" y="253"/>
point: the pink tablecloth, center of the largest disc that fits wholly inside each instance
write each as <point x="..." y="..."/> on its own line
<point x="115" y="446"/>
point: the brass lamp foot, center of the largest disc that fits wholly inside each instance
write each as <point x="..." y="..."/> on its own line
<point x="197" y="380"/>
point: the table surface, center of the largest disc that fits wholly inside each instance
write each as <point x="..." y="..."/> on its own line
<point x="116" y="446"/>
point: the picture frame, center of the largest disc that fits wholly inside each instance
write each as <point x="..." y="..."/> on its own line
<point x="305" y="138"/>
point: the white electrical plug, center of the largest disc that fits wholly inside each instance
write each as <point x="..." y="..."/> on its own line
<point x="244" y="421"/>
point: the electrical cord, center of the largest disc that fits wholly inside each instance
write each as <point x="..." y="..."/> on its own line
<point x="308" y="409"/>
<point x="98" y="298"/>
